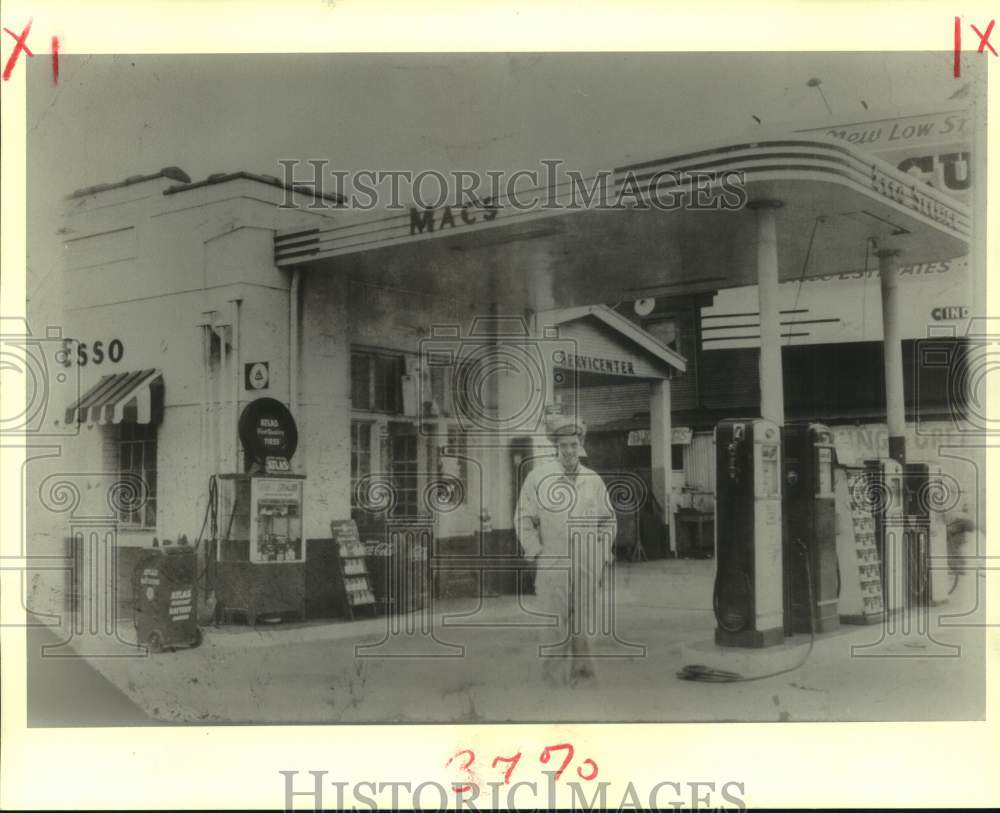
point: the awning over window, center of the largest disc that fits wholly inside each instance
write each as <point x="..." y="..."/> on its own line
<point x="135" y="397"/>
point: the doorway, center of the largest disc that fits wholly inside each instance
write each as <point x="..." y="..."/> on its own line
<point x="404" y="468"/>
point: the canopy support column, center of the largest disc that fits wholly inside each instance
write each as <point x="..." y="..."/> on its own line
<point x="660" y="438"/>
<point x="895" y="404"/>
<point x="772" y="393"/>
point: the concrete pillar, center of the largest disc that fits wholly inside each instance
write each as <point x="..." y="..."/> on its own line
<point x="660" y="438"/>
<point x="519" y="401"/>
<point x="772" y="393"/>
<point x="895" y="403"/>
<point x="325" y="405"/>
<point x="512" y="393"/>
<point x="541" y="288"/>
<point x="541" y="292"/>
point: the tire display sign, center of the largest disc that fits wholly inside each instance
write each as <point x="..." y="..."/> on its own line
<point x="267" y="430"/>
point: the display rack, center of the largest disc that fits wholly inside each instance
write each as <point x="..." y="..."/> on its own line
<point x="861" y="591"/>
<point x="352" y="571"/>
<point x="259" y="569"/>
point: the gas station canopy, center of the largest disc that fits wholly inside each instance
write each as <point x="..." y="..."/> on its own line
<point x="834" y="199"/>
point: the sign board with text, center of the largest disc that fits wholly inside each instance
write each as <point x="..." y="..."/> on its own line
<point x="932" y="146"/>
<point x="267" y="431"/>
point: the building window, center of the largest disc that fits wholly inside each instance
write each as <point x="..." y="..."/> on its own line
<point x="403" y="470"/>
<point x="377" y="382"/>
<point x="457" y="450"/>
<point x="361" y="456"/>
<point x="388" y="384"/>
<point x="136" y="447"/>
<point x="440" y="380"/>
<point x="677" y="457"/>
<point x="361" y="376"/>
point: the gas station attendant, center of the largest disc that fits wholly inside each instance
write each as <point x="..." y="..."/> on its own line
<point x="566" y="526"/>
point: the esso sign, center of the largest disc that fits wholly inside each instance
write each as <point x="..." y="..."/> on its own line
<point x="100" y="351"/>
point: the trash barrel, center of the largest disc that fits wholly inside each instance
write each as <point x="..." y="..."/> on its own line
<point x="166" y="598"/>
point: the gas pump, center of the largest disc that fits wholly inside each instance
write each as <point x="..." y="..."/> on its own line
<point x="885" y="485"/>
<point x="926" y="535"/>
<point x="748" y="595"/>
<point x="809" y="509"/>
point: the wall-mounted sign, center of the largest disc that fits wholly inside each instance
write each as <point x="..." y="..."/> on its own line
<point x="680" y="436"/>
<point x="256" y="375"/>
<point x="935" y="147"/>
<point x="843" y="308"/>
<point x="592" y="364"/>
<point x="912" y="197"/>
<point x="267" y="430"/>
<point x="638" y="437"/>
<point x="273" y="464"/>
<point x="81" y="353"/>
<point x="422" y="220"/>
<point x="950" y="312"/>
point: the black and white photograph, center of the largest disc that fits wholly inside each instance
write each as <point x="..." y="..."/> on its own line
<point x="464" y="388"/>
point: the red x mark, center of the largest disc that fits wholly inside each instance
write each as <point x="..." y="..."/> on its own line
<point x="20" y="46"/>
<point x="984" y="42"/>
<point x="984" y="39"/>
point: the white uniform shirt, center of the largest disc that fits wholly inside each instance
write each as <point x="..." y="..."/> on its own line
<point x="552" y="504"/>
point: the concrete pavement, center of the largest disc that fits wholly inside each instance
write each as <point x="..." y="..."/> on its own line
<point x="67" y="692"/>
<point x="482" y="666"/>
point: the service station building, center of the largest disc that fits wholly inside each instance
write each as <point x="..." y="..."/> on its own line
<point x="420" y="353"/>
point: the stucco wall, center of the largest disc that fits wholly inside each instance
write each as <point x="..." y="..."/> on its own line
<point x="142" y="267"/>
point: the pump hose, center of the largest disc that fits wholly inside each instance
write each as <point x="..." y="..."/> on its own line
<point x="211" y="512"/>
<point x="706" y="674"/>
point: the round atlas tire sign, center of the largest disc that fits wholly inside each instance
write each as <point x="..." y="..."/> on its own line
<point x="267" y="430"/>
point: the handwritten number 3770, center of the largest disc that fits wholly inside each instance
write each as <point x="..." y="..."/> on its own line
<point x="586" y="770"/>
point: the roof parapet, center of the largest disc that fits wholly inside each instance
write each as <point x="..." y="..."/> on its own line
<point x="270" y="180"/>
<point x="173" y="173"/>
<point x="184" y="183"/>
